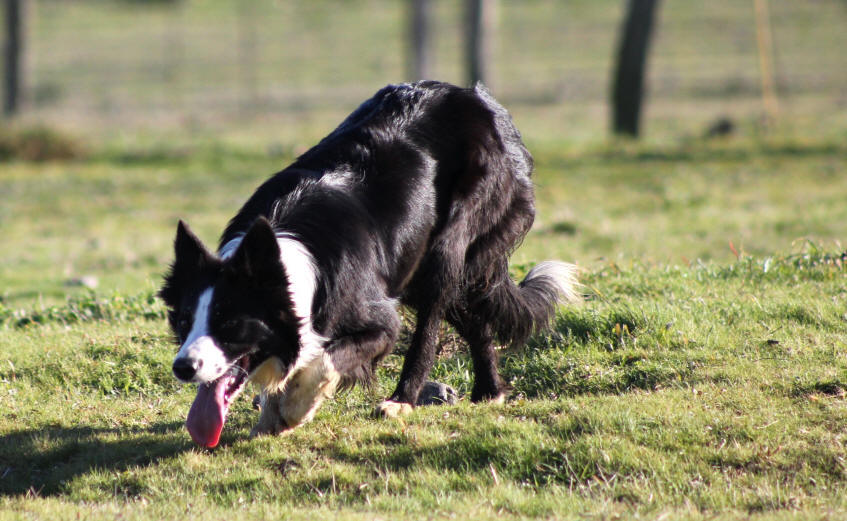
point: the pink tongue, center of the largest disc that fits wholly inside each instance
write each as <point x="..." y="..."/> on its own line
<point x="208" y="412"/>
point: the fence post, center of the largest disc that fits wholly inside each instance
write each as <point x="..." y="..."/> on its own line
<point x="764" y="43"/>
<point x="13" y="50"/>
<point x="419" y="31"/>
<point x="479" y="24"/>
<point x="173" y="57"/>
<point x="247" y="49"/>
<point x="628" y="83"/>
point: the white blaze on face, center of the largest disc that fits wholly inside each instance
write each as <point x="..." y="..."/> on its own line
<point x="199" y="348"/>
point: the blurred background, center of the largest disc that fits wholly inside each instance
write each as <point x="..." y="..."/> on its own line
<point x="96" y="67"/>
<point x="122" y="116"/>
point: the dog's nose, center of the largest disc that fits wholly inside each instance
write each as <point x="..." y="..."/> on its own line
<point x="186" y="368"/>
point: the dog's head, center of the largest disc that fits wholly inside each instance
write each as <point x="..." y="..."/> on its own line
<point x="230" y="314"/>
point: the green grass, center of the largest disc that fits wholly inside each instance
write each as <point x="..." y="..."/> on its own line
<point x="704" y="376"/>
<point x="698" y="379"/>
<point x="113" y="215"/>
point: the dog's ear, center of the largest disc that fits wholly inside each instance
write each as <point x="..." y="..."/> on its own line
<point x="258" y="257"/>
<point x="190" y="252"/>
<point x="191" y="257"/>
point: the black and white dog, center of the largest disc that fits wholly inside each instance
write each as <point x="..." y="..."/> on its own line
<point x="417" y="198"/>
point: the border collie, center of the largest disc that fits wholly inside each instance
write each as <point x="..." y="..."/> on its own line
<point x="417" y="198"/>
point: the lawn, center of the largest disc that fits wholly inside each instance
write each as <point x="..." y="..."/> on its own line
<point x="704" y="376"/>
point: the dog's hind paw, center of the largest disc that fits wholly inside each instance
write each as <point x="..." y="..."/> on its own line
<point x="392" y="409"/>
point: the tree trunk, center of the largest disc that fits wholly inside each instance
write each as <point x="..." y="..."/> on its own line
<point x="13" y="52"/>
<point x="634" y="46"/>
<point x="479" y="24"/>
<point x="419" y="46"/>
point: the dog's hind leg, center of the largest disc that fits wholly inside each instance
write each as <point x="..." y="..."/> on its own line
<point x="496" y="307"/>
<point x="488" y="386"/>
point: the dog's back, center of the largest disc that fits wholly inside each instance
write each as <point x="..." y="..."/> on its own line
<point x="413" y="158"/>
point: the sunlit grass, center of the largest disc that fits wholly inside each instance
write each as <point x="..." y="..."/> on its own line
<point x="718" y="387"/>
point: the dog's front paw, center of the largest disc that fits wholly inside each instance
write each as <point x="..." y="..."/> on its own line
<point x="270" y="421"/>
<point x="269" y="424"/>
<point x="268" y="430"/>
<point x="392" y="409"/>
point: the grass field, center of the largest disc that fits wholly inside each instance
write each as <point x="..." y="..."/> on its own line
<point x="703" y="377"/>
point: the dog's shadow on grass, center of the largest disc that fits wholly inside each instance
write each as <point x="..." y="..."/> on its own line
<point x="43" y="461"/>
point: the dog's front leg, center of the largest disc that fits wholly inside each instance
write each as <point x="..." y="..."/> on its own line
<point x="416" y="367"/>
<point x="299" y="397"/>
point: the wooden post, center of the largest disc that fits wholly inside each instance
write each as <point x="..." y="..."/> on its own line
<point x="247" y="50"/>
<point x="479" y="17"/>
<point x="764" y="42"/>
<point x="13" y="51"/>
<point x="419" y="60"/>
<point x="173" y="57"/>
<point x="628" y="83"/>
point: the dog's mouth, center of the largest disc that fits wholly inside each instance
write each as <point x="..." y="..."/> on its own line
<point x="208" y="412"/>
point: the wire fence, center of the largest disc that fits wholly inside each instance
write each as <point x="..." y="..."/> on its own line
<point x="157" y="63"/>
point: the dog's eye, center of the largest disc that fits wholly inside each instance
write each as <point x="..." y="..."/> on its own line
<point x="182" y="323"/>
<point x="230" y="331"/>
<point x="231" y="325"/>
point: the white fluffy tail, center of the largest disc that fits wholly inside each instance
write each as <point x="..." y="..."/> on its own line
<point x="562" y="276"/>
<point x="519" y="310"/>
